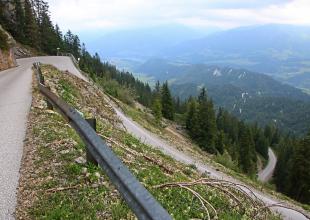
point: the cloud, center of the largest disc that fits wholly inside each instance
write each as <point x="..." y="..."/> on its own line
<point x="121" y="14"/>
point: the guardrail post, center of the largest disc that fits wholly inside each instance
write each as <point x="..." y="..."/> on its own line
<point x="41" y="77"/>
<point x="48" y="103"/>
<point x="89" y="157"/>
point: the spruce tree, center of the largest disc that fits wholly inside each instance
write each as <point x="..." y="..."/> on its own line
<point x="247" y="158"/>
<point x="300" y="178"/>
<point x="19" y="22"/>
<point x="192" y="123"/>
<point x="207" y="123"/>
<point x="157" y="109"/>
<point x="220" y="142"/>
<point x="284" y="165"/>
<point x="59" y="37"/>
<point x="48" y="37"/>
<point x="31" y="28"/>
<point x="167" y="102"/>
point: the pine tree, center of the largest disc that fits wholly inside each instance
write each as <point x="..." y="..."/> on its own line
<point x="59" y="38"/>
<point x="300" y="178"/>
<point x="192" y="123"/>
<point x="157" y="109"/>
<point x="48" y="36"/>
<point x="19" y="21"/>
<point x="220" y="142"/>
<point x="261" y="143"/>
<point x="207" y="123"/>
<point x="247" y="158"/>
<point x="167" y="102"/>
<point x="284" y="165"/>
<point x="157" y="88"/>
<point x="31" y="28"/>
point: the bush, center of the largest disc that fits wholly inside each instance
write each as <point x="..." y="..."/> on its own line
<point x="3" y="40"/>
<point x="226" y="160"/>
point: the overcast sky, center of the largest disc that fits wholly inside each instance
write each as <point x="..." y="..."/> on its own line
<point x="107" y="15"/>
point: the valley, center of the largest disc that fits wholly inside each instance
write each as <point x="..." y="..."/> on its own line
<point x="155" y="110"/>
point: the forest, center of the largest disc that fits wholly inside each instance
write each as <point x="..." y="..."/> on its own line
<point x="237" y="144"/>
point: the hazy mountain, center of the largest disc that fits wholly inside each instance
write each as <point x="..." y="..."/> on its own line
<point x="142" y="43"/>
<point x="278" y="50"/>
<point x="210" y="75"/>
<point x="249" y="95"/>
<point x="282" y="51"/>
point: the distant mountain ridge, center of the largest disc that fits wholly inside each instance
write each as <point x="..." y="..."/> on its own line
<point x="282" y="51"/>
<point x="141" y="43"/>
<point x="242" y="92"/>
<point x="255" y="84"/>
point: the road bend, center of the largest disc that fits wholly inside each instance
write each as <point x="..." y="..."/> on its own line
<point x="266" y="174"/>
<point x="15" y="102"/>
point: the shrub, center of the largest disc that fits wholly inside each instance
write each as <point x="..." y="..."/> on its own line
<point x="3" y="40"/>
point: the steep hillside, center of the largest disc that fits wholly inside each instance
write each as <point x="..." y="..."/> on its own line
<point x="7" y="58"/>
<point x="56" y="182"/>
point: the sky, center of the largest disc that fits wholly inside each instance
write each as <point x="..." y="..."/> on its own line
<point x="110" y="15"/>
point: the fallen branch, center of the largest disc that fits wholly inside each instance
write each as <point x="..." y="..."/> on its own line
<point x="137" y="154"/>
<point x="232" y="190"/>
<point x="58" y="189"/>
<point x="53" y="190"/>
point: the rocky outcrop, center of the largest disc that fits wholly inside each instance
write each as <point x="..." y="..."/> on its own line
<point x="7" y="57"/>
<point x="21" y="52"/>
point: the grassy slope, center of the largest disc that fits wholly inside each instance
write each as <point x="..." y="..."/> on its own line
<point x="222" y="163"/>
<point x="54" y="186"/>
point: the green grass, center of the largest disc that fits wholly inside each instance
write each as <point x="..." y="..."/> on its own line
<point x="57" y="146"/>
<point x="221" y="162"/>
<point x="3" y="40"/>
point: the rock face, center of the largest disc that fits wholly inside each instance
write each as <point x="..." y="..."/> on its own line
<point x="7" y="57"/>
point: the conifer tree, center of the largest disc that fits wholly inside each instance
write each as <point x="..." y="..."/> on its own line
<point x="261" y="142"/>
<point x="207" y="123"/>
<point x="284" y="165"/>
<point x="300" y="178"/>
<point x="192" y="123"/>
<point x="31" y="28"/>
<point x="167" y="102"/>
<point x="157" y="88"/>
<point x="48" y="37"/>
<point x="19" y="21"/>
<point x="220" y="142"/>
<point x="157" y="110"/>
<point x="247" y="158"/>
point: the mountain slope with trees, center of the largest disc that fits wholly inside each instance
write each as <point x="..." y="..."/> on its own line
<point x="215" y="130"/>
<point x="248" y="95"/>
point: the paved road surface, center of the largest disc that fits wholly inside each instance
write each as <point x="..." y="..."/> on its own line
<point x="265" y="174"/>
<point x="15" y="101"/>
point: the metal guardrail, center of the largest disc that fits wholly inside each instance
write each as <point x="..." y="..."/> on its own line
<point x="141" y="202"/>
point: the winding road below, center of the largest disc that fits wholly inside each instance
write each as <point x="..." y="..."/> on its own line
<point x="266" y="174"/>
<point x="15" y="100"/>
<point x="155" y="141"/>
